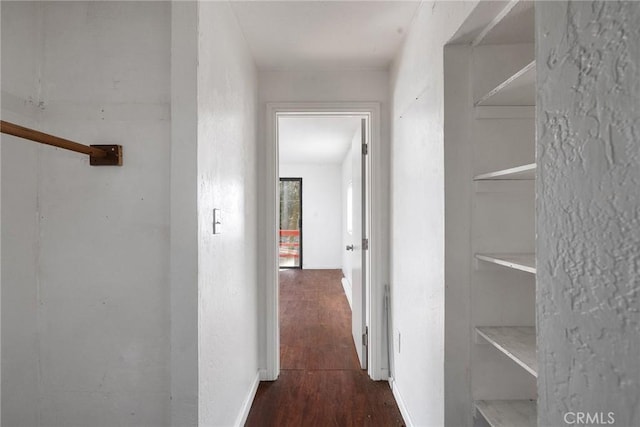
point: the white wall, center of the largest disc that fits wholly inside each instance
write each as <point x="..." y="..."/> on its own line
<point x="20" y="30"/>
<point x="227" y="180"/>
<point x="87" y="263"/>
<point x="324" y="86"/>
<point x="85" y="266"/>
<point x="321" y="213"/>
<point x="347" y="239"/>
<point x="184" y="214"/>
<point x="417" y="226"/>
<point x="588" y="243"/>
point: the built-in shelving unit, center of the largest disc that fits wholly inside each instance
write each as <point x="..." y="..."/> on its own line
<point x="524" y="172"/>
<point x="522" y="262"/>
<point x="508" y="413"/>
<point x="517" y="90"/>
<point x="503" y="83"/>
<point x="517" y="342"/>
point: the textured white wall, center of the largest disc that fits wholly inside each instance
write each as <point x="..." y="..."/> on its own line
<point x="417" y="225"/>
<point x="227" y="180"/>
<point x="588" y="210"/>
<point x="321" y="213"/>
<point x="95" y="239"/>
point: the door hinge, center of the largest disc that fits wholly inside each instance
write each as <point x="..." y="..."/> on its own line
<point x="365" y="337"/>
<point x="365" y="149"/>
<point x="365" y="244"/>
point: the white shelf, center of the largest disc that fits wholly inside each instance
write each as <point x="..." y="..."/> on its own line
<point x="503" y="83"/>
<point x="522" y="262"/>
<point x="525" y="172"/>
<point x="513" y="24"/>
<point x="517" y="342"/>
<point x="517" y="90"/>
<point x="509" y="413"/>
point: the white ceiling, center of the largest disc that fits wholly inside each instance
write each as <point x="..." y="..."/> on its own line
<point x="316" y="34"/>
<point x="299" y="34"/>
<point x="315" y="139"/>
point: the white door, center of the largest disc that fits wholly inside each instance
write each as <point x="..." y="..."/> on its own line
<point x="358" y="319"/>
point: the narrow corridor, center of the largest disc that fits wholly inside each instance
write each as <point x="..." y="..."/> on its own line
<point x="320" y="383"/>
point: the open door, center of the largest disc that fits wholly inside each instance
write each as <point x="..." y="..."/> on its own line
<point x="359" y="245"/>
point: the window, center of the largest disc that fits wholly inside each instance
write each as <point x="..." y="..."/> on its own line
<point x="291" y="222"/>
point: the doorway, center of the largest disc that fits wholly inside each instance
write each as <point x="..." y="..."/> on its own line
<point x="368" y="317"/>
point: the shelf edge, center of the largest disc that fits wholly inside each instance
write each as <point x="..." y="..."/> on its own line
<point x="494" y="22"/>
<point x="502" y="175"/>
<point x="505" y="351"/>
<point x="494" y="259"/>
<point x="531" y="65"/>
<point x="482" y="406"/>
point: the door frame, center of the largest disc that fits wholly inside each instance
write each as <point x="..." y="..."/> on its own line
<point x="375" y="224"/>
<point x="301" y="222"/>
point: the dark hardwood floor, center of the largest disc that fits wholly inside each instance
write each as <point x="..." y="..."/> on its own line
<point x="320" y="383"/>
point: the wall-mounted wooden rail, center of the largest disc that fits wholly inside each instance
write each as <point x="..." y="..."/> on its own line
<point x="99" y="155"/>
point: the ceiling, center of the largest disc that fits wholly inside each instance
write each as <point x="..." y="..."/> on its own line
<point x="315" y="34"/>
<point x="315" y="139"/>
<point x="299" y="34"/>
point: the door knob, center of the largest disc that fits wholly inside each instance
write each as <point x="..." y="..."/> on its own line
<point x="349" y="247"/>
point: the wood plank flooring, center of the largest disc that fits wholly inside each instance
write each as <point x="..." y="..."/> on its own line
<point x="320" y="383"/>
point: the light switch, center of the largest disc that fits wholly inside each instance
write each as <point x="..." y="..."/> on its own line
<point x="217" y="221"/>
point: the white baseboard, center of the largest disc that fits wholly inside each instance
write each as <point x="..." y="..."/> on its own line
<point x="383" y="375"/>
<point x="248" y="401"/>
<point x="346" y="285"/>
<point x="263" y="375"/>
<point x="400" y="402"/>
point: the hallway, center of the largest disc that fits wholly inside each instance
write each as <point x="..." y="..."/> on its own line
<point x="501" y="239"/>
<point x="320" y="381"/>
